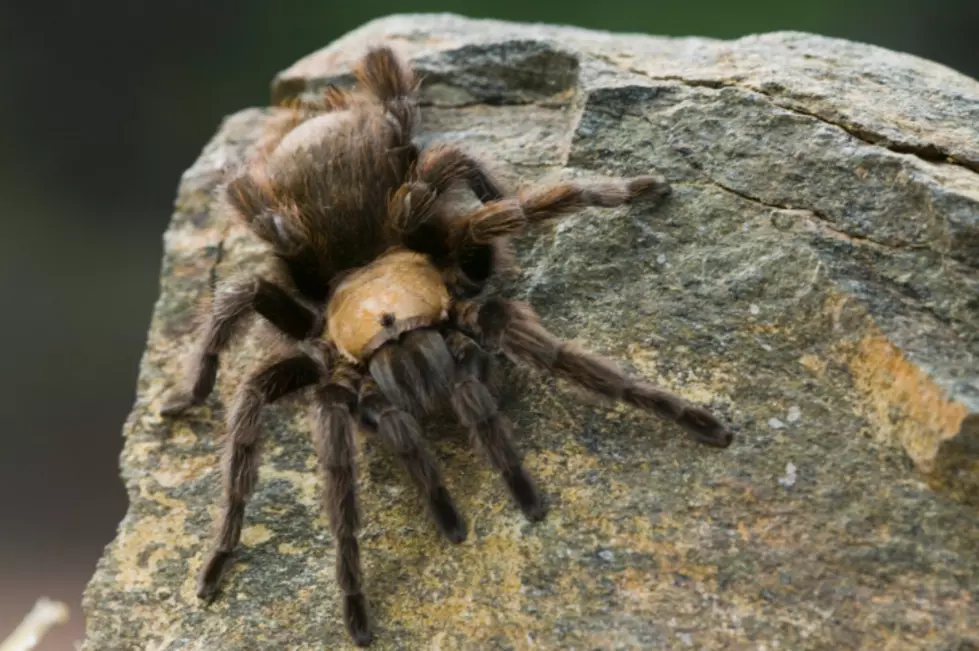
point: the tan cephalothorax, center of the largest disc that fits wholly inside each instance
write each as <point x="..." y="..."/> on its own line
<point x="400" y="291"/>
<point x="376" y="257"/>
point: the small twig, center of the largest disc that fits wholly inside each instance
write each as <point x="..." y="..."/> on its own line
<point x="45" y="614"/>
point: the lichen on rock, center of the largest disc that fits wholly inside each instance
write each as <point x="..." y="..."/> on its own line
<point x="813" y="277"/>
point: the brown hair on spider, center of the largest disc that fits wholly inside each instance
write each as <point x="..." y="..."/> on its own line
<point x="380" y="290"/>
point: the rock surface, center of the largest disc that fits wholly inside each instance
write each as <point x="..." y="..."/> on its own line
<point x="814" y="277"/>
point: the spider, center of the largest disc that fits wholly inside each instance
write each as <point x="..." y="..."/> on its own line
<point x="379" y="289"/>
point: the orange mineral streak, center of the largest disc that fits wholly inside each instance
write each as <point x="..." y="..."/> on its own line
<point x="399" y="291"/>
<point x="890" y="384"/>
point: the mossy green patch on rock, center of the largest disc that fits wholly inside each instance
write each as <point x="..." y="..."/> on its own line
<point x="813" y="278"/>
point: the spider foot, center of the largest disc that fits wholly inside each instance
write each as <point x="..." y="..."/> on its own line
<point x="648" y="187"/>
<point x="705" y="427"/>
<point x="527" y="497"/>
<point x="177" y="403"/>
<point x="449" y="520"/>
<point x="214" y="569"/>
<point x="356" y="620"/>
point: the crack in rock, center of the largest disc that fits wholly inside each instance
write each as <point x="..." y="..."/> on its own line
<point x="929" y="152"/>
<point x="823" y="220"/>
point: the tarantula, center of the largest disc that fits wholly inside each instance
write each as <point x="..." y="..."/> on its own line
<point x="380" y="288"/>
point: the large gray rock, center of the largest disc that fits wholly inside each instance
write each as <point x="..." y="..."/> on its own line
<point x="814" y="277"/>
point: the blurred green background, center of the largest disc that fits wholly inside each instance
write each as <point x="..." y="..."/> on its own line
<point x="104" y="104"/>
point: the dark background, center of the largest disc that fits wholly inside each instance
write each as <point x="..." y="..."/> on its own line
<point x="102" y="106"/>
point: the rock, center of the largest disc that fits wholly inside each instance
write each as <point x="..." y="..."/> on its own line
<point x="817" y="264"/>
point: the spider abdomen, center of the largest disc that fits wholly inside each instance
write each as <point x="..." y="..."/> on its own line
<point x="399" y="291"/>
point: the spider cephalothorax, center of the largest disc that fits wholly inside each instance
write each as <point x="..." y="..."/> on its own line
<point x="379" y="285"/>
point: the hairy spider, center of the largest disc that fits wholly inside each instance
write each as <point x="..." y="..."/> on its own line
<point x="379" y="287"/>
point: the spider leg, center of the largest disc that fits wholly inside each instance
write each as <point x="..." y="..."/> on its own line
<point x="426" y="227"/>
<point x="476" y="407"/>
<point x="442" y="165"/>
<point x="507" y="217"/>
<point x="251" y="199"/>
<point x="233" y="301"/>
<point x="399" y="430"/>
<point x="385" y="75"/>
<point x="411" y="378"/>
<point x="439" y="168"/>
<point x="393" y="83"/>
<point x="473" y="243"/>
<point x="333" y="434"/>
<point x="241" y="455"/>
<point x="514" y="328"/>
